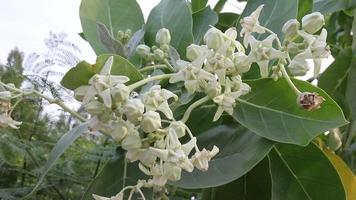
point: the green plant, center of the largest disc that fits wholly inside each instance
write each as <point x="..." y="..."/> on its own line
<point x="195" y="112"/>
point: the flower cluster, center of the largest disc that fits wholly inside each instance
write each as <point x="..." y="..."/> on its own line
<point x="6" y="108"/>
<point x="143" y="125"/>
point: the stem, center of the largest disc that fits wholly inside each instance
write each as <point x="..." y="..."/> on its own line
<point x="149" y="79"/>
<point x="125" y="174"/>
<point x="153" y="67"/>
<point x="49" y="99"/>
<point x="170" y="67"/>
<point x="289" y="81"/>
<point x="192" y="106"/>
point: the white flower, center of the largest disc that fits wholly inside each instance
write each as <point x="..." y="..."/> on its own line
<point x="119" y="130"/>
<point x="251" y="24"/>
<point x="133" y="110"/>
<point x="262" y="52"/>
<point x="312" y="22"/>
<point x="290" y="28"/>
<point x="157" y="99"/>
<point x="131" y="141"/>
<point x="242" y="63"/>
<point x="151" y="121"/>
<point x="201" y="158"/>
<point x="227" y="101"/>
<point x="101" y="84"/>
<point x="178" y="127"/>
<point x="7" y="121"/>
<point x="95" y="107"/>
<point x="299" y="66"/>
<point x="80" y="92"/>
<point x="213" y="38"/>
<point x="318" y="47"/>
<point x="163" y="36"/>
<point x="197" y="54"/>
<point x="143" y="50"/>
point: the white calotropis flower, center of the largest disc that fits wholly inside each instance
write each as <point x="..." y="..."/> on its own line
<point x="201" y="158"/>
<point x="103" y="84"/>
<point x="299" y="66"/>
<point x="133" y="110"/>
<point x="313" y="22"/>
<point x="262" y="52"/>
<point x="213" y="38"/>
<point x="7" y="121"/>
<point x="157" y="99"/>
<point x="290" y="28"/>
<point x="163" y="36"/>
<point x="242" y="63"/>
<point x="319" y="49"/>
<point x="191" y="76"/>
<point x="197" y="54"/>
<point x="250" y="24"/>
<point x="151" y="121"/>
<point x="226" y="102"/>
<point x="120" y="129"/>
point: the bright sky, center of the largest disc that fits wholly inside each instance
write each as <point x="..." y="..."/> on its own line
<point x="25" y="23"/>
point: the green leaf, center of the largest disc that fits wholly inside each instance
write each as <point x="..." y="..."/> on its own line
<point x="304" y="7"/>
<point x="240" y="151"/>
<point x="303" y="173"/>
<point x="347" y="176"/>
<point x="354" y="35"/>
<point x="62" y="144"/>
<point x="112" y="45"/>
<point x="256" y="184"/>
<point x="198" y="4"/>
<point x="334" y="79"/>
<point x="274" y="13"/>
<point x="351" y="88"/>
<point x="219" y="5"/>
<point x="176" y="16"/>
<point x="115" y="14"/>
<point x="202" y="20"/>
<point x="110" y="180"/>
<point x="80" y="74"/>
<point x="330" y="6"/>
<point x="270" y="110"/>
<point x="227" y="20"/>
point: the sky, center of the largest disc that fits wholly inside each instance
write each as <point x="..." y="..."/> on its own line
<point x="25" y="23"/>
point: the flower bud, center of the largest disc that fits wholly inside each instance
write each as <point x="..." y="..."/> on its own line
<point x="163" y="36"/>
<point x="151" y="121"/>
<point x="119" y="131"/>
<point x="178" y="127"/>
<point x="95" y="107"/>
<point x="158" y="54"/>
<point x="213" y="38"/>
<point x="172" y="171"/>
<point x="298" y="67"/>
<point x="80" y="92"/>
<point x="231" y="33"/>
<point x="133" y="109"/>
<point x="143" y="50"/>
<point x="131" y="141"/>
<point x="290" y="28"/>
<point x="334" y="139"/>
<point x="120" y="93"/>
<point x="242" y="63"/>
<point x="213" y="89"/>
<point x="313" y="22"/>
<point x="193" y="52"/>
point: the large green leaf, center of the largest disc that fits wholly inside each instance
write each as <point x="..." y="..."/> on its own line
<point x="110" y="179"/>
<point x="274" y="14"/>
<point x="81" y="74"/>
<point x="62" y="144"/>
<point x="256" y="184"/>
<point x="303" y="173"/>
<point x="334" y="79"/>
<point x="176" y="16"/>
<point x="227" y="20"/>
<point x="115" y="14"/>
<point x="198" y="4"/>
<point x="330" y="6"/>
<point x="270" y="110"/>
<point x="202" y="20"/>
<point x="240" y="151"/>
<point x="304" y="7"/>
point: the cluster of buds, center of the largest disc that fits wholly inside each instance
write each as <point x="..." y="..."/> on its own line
<point x="142" y="124"/>
<point x="311" y="47"/>
<point x="156" y="54"/>
<point x="5" y="109"/>
<point x="124" y="37"/>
